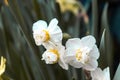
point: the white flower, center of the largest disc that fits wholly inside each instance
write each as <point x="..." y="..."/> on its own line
<point x="98" y="74"/>
<point x="82" y="53"/>
<point x="55" y="55"/>
<point x="44" y="35"/>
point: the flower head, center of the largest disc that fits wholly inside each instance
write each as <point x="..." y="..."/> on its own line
<point x="98" y="74"/>
<point x="69" y="5"/>
<point x="51" y="56"/>
<point x="2" y="65"/>
<point x="55" y="55"/>
<point x="82" y="53"/>
<point x="44" y="35"/>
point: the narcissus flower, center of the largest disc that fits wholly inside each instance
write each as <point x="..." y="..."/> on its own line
<point x="98" y="74"/>
<point x="55" y="55"/>
<point x="2" y="65"/>
<point x="69" y="5"/>
<point x="82" y="53"/>
<point x="45" y="35"/>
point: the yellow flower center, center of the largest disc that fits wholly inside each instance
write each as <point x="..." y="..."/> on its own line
<point x="47" y="36"/>
<point x="78" y="54"/>
<point x="54" y="51"/>
<point x="44" y="36"/>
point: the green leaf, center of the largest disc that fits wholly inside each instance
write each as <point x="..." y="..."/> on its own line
<point x="102" y="59"/>
<point x="4" y="77"/>
<point x="19" y="17"/>
<point x="94" y="30"/>
<point x="108" y="41"/>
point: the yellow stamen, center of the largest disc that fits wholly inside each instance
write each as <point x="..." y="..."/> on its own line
<point x="54" y="51"/>
<point x="47" y="36"/>
<point x="78" y="54"/>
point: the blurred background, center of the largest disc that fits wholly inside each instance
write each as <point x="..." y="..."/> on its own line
<point x="77" y="18"/>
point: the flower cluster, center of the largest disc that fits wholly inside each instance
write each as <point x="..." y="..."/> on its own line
<point x="51" y="38"/>
<point x="79" y="53"/>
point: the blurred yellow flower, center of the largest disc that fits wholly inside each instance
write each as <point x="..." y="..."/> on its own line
<point x="6" y="2"/>
<point x="2" y="65"/>
<point x="69" y="5"/>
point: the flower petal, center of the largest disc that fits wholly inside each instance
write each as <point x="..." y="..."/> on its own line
<point x="69" y="58"/>
<point x="76" y="64"/>
<point x="94" y="53"/>
<point x="63" y="64"/>
<point x="49" y="45"/>
<point x="61" y="61"/>
<point x="74" y="43"/>
<point x="56" y="34"/>
<point x="52" y="25"/>
<point x="37" y="42"/>
<point x="69" y="55"/>
<point x="39" y="25"/>
<point x="88" y="41"/>
<point x="91" y="65"/>
<point x="97" y="74"/>
<point x="106" y="73"/>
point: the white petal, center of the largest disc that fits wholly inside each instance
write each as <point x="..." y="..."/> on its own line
<point x="69" y="58"/>
<point x="106" y="73"/>
<point x="71" y="46"/>
<point x="70" y="52"/>
<point x="37" y="42"/>
<point x="56" y="34"/>
<point x="61" y="61"/>
<point x="76" y="64"/>
<point x="94" y="53"/>
<point x="97" y="74"/>
<point x="69" y="55"/>
<point x="63" y="64"/>
<point x="39" y="25"/>
<point x="91" y="65"/>
<point x="88" y="41"/>
<point x="49" y="45"/>
<point x="74" y="43"/>
<point x="53" y="24"/>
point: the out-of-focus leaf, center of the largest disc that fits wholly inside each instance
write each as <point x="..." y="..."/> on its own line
<point x="15" y="9"/>
<point x="117" y="74"/>
<point x="108" y="43"/>
<point x="14" y="42"/>
<point x="37" y="9"/>
<point x="77" y="28"/>
<point x="102" y="59"/>
<point x="4" y="77"/>
<point x="95" y="13"/>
